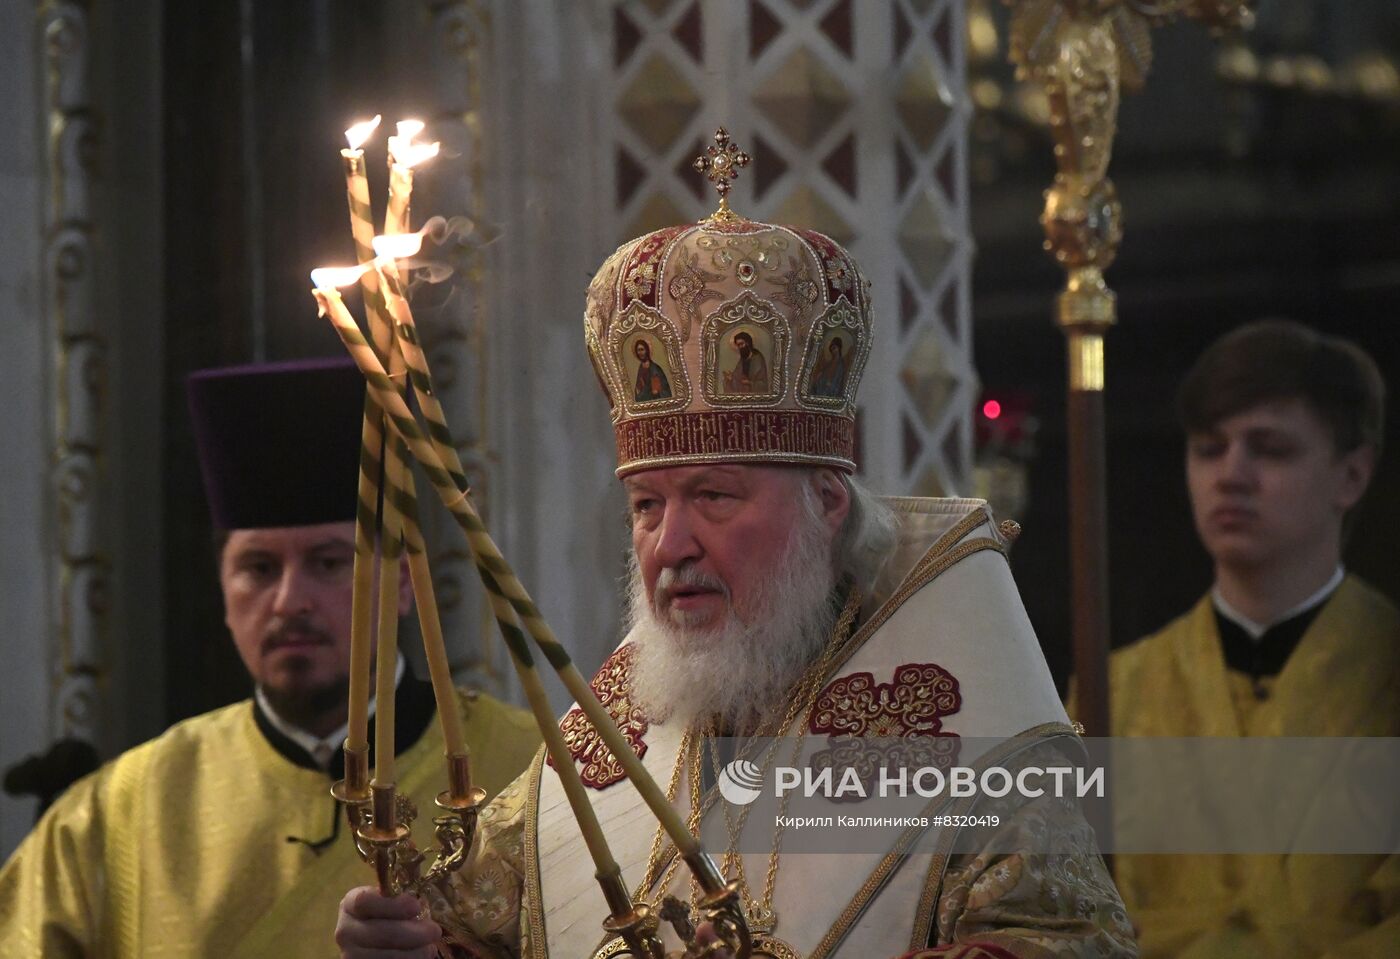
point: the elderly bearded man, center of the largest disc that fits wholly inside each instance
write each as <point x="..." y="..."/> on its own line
<point x="220" y="838"/>
<point x="772" y="595"/>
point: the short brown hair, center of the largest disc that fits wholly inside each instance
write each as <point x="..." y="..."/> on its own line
<point x="1280" y="359"/>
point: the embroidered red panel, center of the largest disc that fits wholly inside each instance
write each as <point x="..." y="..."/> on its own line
<point x="837" y="270"/>
<point x="639" y="273"/>
<point x="736" y="432"/>
<point x="872" y="726"/>
<point x="913" y="704"/>
<point x="612" y="685"/>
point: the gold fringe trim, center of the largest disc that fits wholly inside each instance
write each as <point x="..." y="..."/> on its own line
<point x="536" y="945"/>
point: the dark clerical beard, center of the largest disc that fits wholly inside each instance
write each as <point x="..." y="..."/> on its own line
<point x="304" y="708"/>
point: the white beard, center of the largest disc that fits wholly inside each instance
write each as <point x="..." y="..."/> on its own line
<point x="736" y="671"/>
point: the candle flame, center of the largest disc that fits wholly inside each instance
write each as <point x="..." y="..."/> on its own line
<point x="412" y="154"/>
<point x="361" y="132"/>
<point x="406" y="153"/>
<point x="332" y="278"/>
<point x="398" y="246"/>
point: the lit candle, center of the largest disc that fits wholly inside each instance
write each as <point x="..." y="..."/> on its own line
<point x="443" y="456"/>
<point x="404" y="155"/>
<point x="435" y="650"/>
<point x="357" y="187"/>
<point x="371" y="435"/>
<point x="326" y="283"/>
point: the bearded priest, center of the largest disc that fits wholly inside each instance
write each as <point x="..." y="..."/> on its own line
<point x="773" y="596"/>
<point x="220" y="837"/>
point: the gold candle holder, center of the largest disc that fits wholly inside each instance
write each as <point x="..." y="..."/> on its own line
<point x="354" y="788"/>
<point x="460" y="796"/>
<point x="634" y="926"/>
<point x="381" y="822"/>
<point x="632" y="922"/>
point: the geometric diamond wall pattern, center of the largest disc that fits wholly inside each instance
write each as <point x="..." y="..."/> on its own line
<point x="856" y="116"/>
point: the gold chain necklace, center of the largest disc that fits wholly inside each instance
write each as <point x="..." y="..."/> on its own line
<point x="689" y="757"/>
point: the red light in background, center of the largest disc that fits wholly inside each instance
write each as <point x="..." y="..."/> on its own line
<point x="991" y="409"/>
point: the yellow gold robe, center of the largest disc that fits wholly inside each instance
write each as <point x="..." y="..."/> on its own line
<point x="1341" y="680"/>
<point x="179" y="848"/>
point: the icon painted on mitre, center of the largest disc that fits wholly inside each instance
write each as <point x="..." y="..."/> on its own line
<point x="744" y="361"/>
<point x="833" y="364"/>
<point x="649" y="378"/>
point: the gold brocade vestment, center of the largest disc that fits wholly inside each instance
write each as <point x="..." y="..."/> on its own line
<point x="1342" y="679"/>
<point x="179" y="847"/>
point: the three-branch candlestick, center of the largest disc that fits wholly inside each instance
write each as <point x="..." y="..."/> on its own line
<point x="381" y="822"/>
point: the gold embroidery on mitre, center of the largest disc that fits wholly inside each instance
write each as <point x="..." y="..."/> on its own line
<point x="752" y="253"/>
<point x="595" y="359"/>
<point x="688" y="288"/>
<point x="601" y="302"/>
<point x="642" y="267"/>
<point x="798" y="288"/>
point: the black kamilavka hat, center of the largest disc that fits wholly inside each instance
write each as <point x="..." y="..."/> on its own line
<point x="279" y="443"/>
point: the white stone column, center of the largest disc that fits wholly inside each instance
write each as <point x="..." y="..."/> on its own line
<point x="81" y="284"/>
<point x="25" y="575"/>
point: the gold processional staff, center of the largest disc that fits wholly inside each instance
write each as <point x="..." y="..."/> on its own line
<point x="1083" y="52"/>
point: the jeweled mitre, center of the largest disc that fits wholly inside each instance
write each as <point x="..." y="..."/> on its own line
<point x="730" y="340"/>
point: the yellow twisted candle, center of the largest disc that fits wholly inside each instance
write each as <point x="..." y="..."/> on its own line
<point x="440" y="463"/>
<point x="399" y="491"/>
<point x="371" y="439"/>
<point x="439" y="669"/>
<point x="390" y="551"/>
<point x="333" y="306"/>
<point x="434" y="649"/>
<point x="404" y="155"/>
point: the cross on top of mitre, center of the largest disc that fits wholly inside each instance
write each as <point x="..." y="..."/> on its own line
<point x="721" y="164"/>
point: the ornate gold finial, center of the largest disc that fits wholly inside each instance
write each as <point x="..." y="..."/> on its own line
<point x="721" y="164"/>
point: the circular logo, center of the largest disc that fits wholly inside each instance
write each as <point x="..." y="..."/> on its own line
<point x="740" y="782"/>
